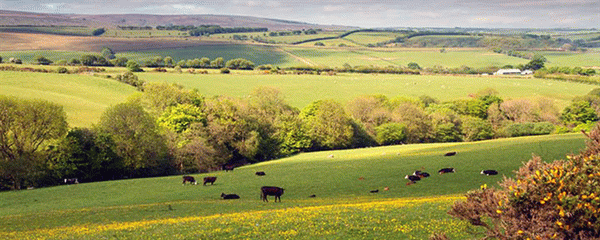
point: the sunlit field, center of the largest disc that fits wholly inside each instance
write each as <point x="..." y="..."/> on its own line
<point x="343" y="206"/>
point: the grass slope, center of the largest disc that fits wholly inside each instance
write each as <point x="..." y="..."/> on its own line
<point x="343" y="208"/>
<point x="83" y="97"/>
<point x="300" y="90"/>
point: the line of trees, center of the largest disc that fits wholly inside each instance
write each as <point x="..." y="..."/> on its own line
<point x="169" y="130"/>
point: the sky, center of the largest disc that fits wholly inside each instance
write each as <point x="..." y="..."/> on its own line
<point x="365" y="14"/>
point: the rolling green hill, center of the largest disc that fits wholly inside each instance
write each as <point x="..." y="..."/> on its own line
<point x="84" y="97"/>
<point x="341" y="181"/>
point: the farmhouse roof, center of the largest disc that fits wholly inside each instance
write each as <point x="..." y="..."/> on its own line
<point x="507" y="71"/>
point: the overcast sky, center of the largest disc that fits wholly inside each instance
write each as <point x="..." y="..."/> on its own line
<point x="375" y="13"/>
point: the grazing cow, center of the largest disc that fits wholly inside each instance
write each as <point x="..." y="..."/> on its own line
<point x="386" y="188"/>
<point x="448" y="154"/>
<point x="446" y="170"/>
<point x="412" y="178"/>
<point x="271" y="191"/>
<point x="229" y="196"/>
<point x="210" y="180"/>
<point x="260" y="173"/>
<point x="71" y="181"/>
<point x="489" y="172"/>
<point x="421" y="174"/>
<point x="375" y="191"/>
<point x="189" y="179"/>
<point x="228" y="168"/>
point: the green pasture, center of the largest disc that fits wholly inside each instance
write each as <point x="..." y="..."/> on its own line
<point x="52" y="55"/>
<point x="429" y="57"/>
<point x="84" y="97"/>
<point x="571" y="59"/>
<point x="364" y="38"/>
<point x="300" y="90"/>
<point x="344" y="208"/>
<point x="287" y="39"/>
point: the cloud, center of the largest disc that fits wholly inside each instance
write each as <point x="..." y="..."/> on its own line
<point x="333" y="8"/>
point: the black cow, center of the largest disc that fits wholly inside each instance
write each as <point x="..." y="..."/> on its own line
<point x="189" y="179"/>
<point x="210" y="180"/>
<point x="421" y="174"/>
<point x="448" y="154"/>
<point x="271" y="191"/>
<point x="375" y="191"/>
<point x="412" y="178"/>
<point x="71" y="181"/>
<point x="229" y="196"/>
<point x="446" y="170"/>
<point x="260" y="173"/>
<point x="489" y="172"/>
<point x="228" y="168"/>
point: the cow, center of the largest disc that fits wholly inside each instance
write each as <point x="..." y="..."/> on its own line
<point x="189" y="179"/>
<point x="229" y="196"/>
<point x="210" y="180"/>
<point x="446" y="170"/>
<point x="71" y="181"/>
<point x="260" y="173"/>
<point x="412" y="178"/>
<point x="375" y="191"/>
<point x="312" y="196"/>
<point x="228" y="168"/>
<point x="489" y="172"/>
<point x="448" y="154"/>
<point x="271" y="191"/>
<point x="421" y="174"/>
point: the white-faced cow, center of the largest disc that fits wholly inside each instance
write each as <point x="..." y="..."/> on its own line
<point x="71" y="181"/>
<point x="229" y="196"/>
<point x="412" y="178"/>
<point x="210" y="180"/>
<point x="489" y="172"/>
<point x="189" y="179"/>
<point x="446" y="170"/>
<point x="421" y="174"/>
<point x="271" y="191"/>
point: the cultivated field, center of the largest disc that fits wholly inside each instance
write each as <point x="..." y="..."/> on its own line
<point x="343" y="207"/>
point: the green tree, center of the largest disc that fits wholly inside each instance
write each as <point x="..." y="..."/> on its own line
<point x="413" y="65"/>
<point x="168" y="61"/>
<point x="390" y="134"/>
<point x="537" y="62"/>
<point x="328" y="125"/>
<point x="134" y="66"/>
<point x="86" y="155"/>
<point x="98" y="31"/>
<point x="107" y="53"/>
<point x="475" y="129"/>
<point x="137" y="139"/>
<point x="26" y="126"/>
<point x="179" y="118"/>
<point x="42" y="60"/>
<point x="217" y="63"/>
<point x="89" y="60"/>
<point x="578" y="112"/>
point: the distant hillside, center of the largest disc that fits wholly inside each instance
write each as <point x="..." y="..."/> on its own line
<point x="14" y="18"/>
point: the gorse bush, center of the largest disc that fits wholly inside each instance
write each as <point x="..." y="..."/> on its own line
<point x="557" y="200"/>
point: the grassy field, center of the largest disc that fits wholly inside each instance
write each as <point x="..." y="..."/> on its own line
<point x="343" y="208"/>
<point x="83" y="97"/>
<point x="300" y="90"/>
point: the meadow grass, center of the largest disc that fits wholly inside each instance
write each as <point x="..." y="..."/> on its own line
<point x="300" y="90"/>
<point x="571" y="59"/>
<point x="343" y="207"/>
<point x="83" y="97"/>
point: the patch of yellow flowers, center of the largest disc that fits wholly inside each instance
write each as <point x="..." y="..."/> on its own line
<point x="376" y="218"/>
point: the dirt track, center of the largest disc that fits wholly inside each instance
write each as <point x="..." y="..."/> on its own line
<point x="30" y="41"/>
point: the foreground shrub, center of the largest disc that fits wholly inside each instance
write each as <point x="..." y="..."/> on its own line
<point x="555" y="200"/>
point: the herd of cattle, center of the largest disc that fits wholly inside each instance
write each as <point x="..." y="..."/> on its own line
<point x="265" y="190"/>
<point x="277" y="191"/>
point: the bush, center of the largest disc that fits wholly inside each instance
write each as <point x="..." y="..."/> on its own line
<point x="225" y="70"/>
<point x="555" y="200"/>
<point x="528" y="129"/>
<point x="475" y="129"/>
<point x="134" y="66"/>
<point x="62" y="70"/>
<point x="98" y="31"/>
